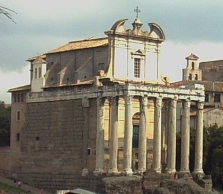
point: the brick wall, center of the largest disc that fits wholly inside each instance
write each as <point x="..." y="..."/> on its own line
<point x="55" y="137"/>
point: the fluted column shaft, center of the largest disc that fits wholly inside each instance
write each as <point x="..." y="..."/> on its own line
<point x="198" y="159"/>
<point x="113" y="148"/>
<point x="127" y="155"/>
<point x="171" y="144"/>
<point x="142" y="136"/>
<point x="100" y="137"/>
<point x="185" y="138"/>
<point x="157" y="136"/>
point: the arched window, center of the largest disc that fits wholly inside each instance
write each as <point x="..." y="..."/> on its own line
<point x="189" y="76"/>
<point x="196" y="77"/>
<point x="135" y="136"/>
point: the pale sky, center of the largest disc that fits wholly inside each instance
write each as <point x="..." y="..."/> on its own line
<point x="42" y="25"/>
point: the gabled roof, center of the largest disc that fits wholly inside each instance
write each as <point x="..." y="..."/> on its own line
<point x="20" y="88"/>
<point x="82" y="44"/>
<point x="43" y="57"/>
<point x="192" y="57"/>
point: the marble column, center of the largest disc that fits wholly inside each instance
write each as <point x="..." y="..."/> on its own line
<point x="185" y="137"/>
<point x="127" y="154"/>
<point x="100" y="137"/>
<point x="198" y="159"/>
<point x="113" y="147"/>
<point x="142" y="150"/>
<point x="157" y="136"/>
<point x="171" y="142"/>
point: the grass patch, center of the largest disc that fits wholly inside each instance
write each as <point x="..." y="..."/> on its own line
<point x="11" y="190"/>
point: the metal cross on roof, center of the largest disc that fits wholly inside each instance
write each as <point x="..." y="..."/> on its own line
<point x="137" y="10"/>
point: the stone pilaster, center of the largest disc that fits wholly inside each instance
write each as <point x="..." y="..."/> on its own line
<point x="113" y="147"/>
<point x="185" y="138"/>
<point x="127" y="155"/>
<point x="198" y="159"/>
<point x="99" y="168"/>
<point x="157" y="136"/>
<point x="142" y="150"/>
<point x="171" y="142"/>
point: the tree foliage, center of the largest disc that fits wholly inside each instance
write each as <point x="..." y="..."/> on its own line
<point x="5" y="119"/>
<point x="212" y="153"/>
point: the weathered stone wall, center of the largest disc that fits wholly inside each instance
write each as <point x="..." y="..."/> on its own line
<point x="53" y="182"/>
<point x="55" y="137"/>
<point x="5" y="161"/>
<point x="212" y="70"/>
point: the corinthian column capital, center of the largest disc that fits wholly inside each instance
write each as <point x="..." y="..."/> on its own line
<point x="128" y="100"/>
<point x="200" y="105"/>
<point x="113" y="101"/>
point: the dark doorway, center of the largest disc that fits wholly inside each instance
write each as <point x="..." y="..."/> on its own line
<point x="135" y="136"/>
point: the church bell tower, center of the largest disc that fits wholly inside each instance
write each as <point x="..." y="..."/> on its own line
<point x="192" y="71"/>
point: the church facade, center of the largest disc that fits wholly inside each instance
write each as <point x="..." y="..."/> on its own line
<point x="96" y="106"/>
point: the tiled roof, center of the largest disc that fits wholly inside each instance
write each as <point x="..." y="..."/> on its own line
<point x="34" y="58"/>
<point x="208" y="85"/>
<point x="21" y="88"/>
<point x="82" y="44"/>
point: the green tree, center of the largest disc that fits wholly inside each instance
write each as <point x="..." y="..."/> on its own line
<point x="5" y="119"/>
<point x="214" y="155"/>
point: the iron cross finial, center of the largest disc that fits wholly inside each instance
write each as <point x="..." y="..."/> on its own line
<point x="137" y="10"/>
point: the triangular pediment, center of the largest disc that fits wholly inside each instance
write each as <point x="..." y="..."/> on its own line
<point x="138" y="52"/>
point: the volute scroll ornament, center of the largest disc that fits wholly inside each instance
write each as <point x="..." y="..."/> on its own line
<point x="128" y="99"/>
<point x="186" y="103"/>
<point x="200" y="105"/>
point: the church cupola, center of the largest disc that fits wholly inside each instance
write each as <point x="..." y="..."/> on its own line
<point x="137" y="26"/>
<point x="192" y="71"/>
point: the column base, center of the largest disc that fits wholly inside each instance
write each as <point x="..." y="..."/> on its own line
<point x="184" y="171"/>
<point x="170" y="171"/>
<point x="198" y="171"/>
<point x="157" y="170"/>
<point x="113" y="171"/>
<point x="141" y="171"/>
<point x="127" y="172"/>
<point x="98" y="172"/>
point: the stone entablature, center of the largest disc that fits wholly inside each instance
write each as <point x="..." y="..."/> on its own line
<point x="195" y="93"/>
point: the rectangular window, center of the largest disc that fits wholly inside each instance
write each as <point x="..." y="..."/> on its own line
<point x="217" y="98"/>
<point x="22" y="97"/>
<point x="35" y="73"/>
<point x="18" y="115"/>
<point x="137" y="67"/>
<point x="100" y="66"/>
<point x="40" y="72"/>
<point x="89" y="151"/>
<point x="206" y="97"/>
<point x="14" y="95"/>
<point x="17" y="136"/>
<point x="18" y="97"/>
